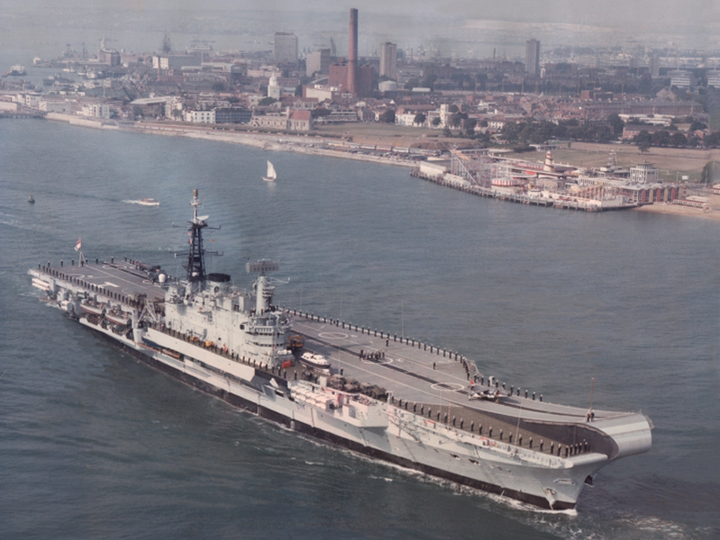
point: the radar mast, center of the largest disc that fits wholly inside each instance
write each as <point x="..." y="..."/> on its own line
<point x="195" y="267"/>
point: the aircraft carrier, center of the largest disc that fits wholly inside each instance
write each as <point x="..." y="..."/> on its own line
<point x="387" y="396"/>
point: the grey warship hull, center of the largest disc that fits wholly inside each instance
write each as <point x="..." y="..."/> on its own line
<point x="389" y="397"/>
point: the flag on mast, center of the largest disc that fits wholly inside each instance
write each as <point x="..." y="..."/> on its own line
<point x="78" y="245"/>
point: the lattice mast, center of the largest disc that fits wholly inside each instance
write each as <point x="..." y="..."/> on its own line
<point x="195" y="266"/>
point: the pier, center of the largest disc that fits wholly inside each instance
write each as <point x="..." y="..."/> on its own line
<point x="561" y="202"/>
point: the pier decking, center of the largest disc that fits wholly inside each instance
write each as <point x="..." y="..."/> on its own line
<point x="559" y="202"/>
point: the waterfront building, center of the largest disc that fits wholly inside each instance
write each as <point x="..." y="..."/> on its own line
<point x="167" y="62"/>
<point x="273" y="89"/>
<point x="630" y="131"/>
<point x="56" y="105"/>
<point x="363" y="79"/>
<point x="405" y="119"/>
<point x="654" y="66"/>
<point x="387" y="86"/>
<point x="299" y="121"/>
<point x="232" y="115"/>
<point x="318" y="62"/>
<point x="643" y="173"/>
<point x="388" y="60"/>
<point x="107" y="56"/>
<point x="262" y="72"/>
<point x="340" y="115"/>
<point x="322" y="92"/>
<point x="200" y="117"/>
<point x="532" y="57"/>
<point x="285" y="48"/>
<point x="270" y="121"/>
<point x="682" y="79"/>
<point x="288" y="120"/>
<point x="601" y="110"/>
<point x="96" y="110"/>
<point x="713" y="78"/>
<point x="650" y="194"/>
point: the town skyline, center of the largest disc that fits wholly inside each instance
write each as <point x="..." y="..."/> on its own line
<point x="461" y="29"/>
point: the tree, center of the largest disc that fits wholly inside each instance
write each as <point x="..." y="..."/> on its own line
<point x="412" y="83"/>
<point x="320" y="112"/>
<point x="706" y="177"/>
<point x="616" y="123"/>
<point x="453" y="108"/>
<point x="481" y="80"/>
<point x="470" y="127"/>
<point x="419" y="119"/>
<point x="661" y="138"/>
<point x="429" y="81"/>
<point x="436" y="121"/>
<point x="678" y="139"/>
<point x="712" y="140"/>
<point x="455" y="119"/>
<point x="388" y="117"/>
<point x="218" y="86"/>
<point x="643" y="141"/>
<point x="645" y="86"/>
<point x="266" y="101"/>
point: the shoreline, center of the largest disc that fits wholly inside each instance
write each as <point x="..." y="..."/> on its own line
<point x="265" y="141"/>
<point x="306" y="145"/>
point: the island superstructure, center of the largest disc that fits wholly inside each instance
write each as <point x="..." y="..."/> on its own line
<point x="386" y="396"/>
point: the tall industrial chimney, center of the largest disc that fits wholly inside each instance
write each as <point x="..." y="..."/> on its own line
<point x="352" y="52"/>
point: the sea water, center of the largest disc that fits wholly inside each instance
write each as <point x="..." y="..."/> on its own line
<point x="94" y="444"/>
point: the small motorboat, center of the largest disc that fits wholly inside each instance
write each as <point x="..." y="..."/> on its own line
<point x="147" y="201"/>
<point x="91" y="307"/>
<point x="31" y="199"/>
<point x="315" y="361"/>
<point x="117" y="317"/>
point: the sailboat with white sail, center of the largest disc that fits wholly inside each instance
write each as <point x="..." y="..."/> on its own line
<point x="271" y="175"/>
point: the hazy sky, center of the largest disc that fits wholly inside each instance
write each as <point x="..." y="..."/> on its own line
<point x="646" y="13"/>
<point x="450" y="25"/>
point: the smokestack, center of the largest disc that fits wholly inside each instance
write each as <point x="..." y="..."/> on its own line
<point x="352" y="51"/>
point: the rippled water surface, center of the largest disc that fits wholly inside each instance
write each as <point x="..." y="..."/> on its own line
<point x="96" y="445"/>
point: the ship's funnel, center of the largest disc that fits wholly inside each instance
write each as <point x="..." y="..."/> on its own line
<point x="262" y="291"/>
<point x="261" y="304"/>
